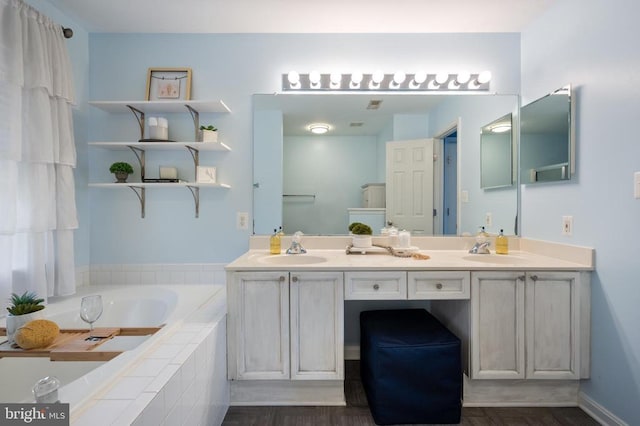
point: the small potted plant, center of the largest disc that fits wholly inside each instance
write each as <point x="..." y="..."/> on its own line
<point x="121" y="170"/>
<point x="22" y="310"/>
<point x="361" y="235"/>
<point x="208" y="133"/>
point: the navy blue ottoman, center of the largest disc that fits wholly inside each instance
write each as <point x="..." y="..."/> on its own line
<point x="410" y="367"/>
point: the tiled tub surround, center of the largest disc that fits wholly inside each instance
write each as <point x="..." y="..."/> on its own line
<point x="175" y="376"/>
<point x="152" y="273"/>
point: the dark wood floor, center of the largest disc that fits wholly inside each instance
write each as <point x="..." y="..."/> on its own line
<point x="356" y="413"/>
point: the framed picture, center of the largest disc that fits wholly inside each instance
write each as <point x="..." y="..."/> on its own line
<point x="168" y="84"/>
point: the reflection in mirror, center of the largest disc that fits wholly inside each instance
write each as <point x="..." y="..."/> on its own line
<point x="496" y="153"/>
<point x="546" y="138"/>
<point x="313" y="183"/>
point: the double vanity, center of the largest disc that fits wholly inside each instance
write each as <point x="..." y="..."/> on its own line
<point x="523" y="318"/>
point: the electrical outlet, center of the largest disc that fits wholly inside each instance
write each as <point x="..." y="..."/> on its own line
<point x="242" y="220"/>
<point x="464" y="196"/>
<point x="488" y="220"/>
<point x="636" y="185"/>
<point x="567" y="225"/>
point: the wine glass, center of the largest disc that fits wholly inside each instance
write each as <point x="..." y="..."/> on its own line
<point x="90" y="310"/>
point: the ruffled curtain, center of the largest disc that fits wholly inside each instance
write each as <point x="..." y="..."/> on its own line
<point x="37" y="155"/>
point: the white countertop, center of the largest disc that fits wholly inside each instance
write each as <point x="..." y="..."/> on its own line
<point x="557" y="257"/>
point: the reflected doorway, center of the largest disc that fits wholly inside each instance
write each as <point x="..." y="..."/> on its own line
<point x="450" y="184"/>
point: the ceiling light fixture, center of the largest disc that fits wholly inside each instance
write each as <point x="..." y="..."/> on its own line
<point x="420" y="81"/>
<point x="319" y="128"/>
<point x="501" y="128"/>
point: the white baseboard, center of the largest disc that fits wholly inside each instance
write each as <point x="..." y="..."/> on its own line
<point x="598" y="412"/>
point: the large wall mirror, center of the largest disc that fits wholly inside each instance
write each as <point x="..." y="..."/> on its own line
<point x="317" y="183"/>
<point x="547" y="144"/>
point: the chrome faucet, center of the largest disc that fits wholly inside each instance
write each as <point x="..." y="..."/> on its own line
<point x="480" y="248"/>
<point x="296" y="247"/>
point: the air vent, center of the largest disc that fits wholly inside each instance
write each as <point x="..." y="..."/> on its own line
<point x="356" y="124"/>
<point x="374" y="104"/>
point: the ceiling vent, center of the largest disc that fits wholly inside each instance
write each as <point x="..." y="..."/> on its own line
<point x="374" y="104"/>
<point x="356" y="124"/>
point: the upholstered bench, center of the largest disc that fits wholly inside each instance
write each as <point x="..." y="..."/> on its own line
<point x="410" y="367"/>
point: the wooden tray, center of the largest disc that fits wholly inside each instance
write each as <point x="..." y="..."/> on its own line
<point x="71" y="344"/>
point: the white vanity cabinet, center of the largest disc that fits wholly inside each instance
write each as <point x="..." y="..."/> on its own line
<point x="284" y="325"/>
<point x="529" y="325"/>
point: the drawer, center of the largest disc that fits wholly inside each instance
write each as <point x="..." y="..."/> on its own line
<point x="375" y="285"/>
<point x="439" y="285"/>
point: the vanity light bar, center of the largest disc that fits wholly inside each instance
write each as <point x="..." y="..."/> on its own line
<point x="379" y="81"/>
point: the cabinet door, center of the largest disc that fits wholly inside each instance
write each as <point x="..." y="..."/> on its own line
<point x="317" y="317"/>
<point x="553" y="325"/>
<point x="259" y="319"/>
<point x="497" y="325"/>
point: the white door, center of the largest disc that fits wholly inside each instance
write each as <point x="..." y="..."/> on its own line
<point x="317" y="326"/>
<point x="410" y="185"/>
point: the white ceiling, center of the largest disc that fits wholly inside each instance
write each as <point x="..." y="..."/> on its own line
<point x="302" y="16"/>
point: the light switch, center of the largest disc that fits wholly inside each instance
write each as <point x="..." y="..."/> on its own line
<point x="636" y="184"/>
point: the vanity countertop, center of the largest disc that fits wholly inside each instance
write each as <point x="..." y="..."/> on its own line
<point x="339" y="260"/>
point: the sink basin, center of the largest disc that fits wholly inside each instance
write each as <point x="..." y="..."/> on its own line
<point x="292" y="259"/>
<point x="495" y="259"/>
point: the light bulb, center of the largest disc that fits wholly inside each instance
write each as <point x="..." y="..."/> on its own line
<point x="484" y="77"/>
<point x="335" y="78"/>
<point x="399" y="77"/>
<point x="442" y="78"/>
<point x="463" y="77"/>
<point x="314" y="78"/>
<point x="356" y="77"/>
<point x="293" y="77"/>
<point x="420" y="77"/>
<point x="377" y="77"/>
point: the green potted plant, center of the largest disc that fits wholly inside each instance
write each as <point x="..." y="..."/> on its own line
<point x="208" y="133"/>
<point x="361" y="234"/>
<point x="122" y="171"/>
<point x="23" y="309"/>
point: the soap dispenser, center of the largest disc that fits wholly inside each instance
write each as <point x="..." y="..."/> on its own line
<point x="502" y="244"/>
<point x="274" y="243"/>
<point x="482" y="236"/>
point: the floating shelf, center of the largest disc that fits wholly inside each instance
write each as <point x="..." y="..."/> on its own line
<point x="139" y="149"/>
<point x="161" y="106"/>
<point x="168" y="146"/>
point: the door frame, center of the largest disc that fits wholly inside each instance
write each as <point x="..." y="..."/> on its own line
<point x="438" y="175"/>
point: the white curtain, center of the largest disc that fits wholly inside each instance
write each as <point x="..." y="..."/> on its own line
<point x="37" y="155"/>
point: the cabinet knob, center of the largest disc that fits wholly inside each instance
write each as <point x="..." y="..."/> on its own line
<point x="439" y="286"/>
<point x="376" y="286"/>
<point x="521" y="278"/>
<point x="534" y="277"/>
<point x="294" y="279"/>
<point x="281" y="279"/>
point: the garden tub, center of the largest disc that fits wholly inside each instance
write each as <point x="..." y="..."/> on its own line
<point x="168" y="307"/>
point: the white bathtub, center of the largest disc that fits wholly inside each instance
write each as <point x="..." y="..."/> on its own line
<point x="174" y="307"/>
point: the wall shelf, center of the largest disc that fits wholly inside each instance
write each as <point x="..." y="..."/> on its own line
<point x="139" y="108"/>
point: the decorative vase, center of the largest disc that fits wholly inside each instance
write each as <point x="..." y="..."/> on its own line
<point x="210" y="136"/>
<point x="361" y="241"/>
<point x="121" y="177"/>
<point x="14" y="322"/>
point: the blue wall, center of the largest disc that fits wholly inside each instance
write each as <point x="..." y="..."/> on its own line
<point x="333" y="169"/>
<point x="593" y="46"/>
<point x="232" y="68"/>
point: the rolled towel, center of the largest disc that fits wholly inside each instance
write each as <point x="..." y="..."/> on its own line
<point x="38" y="333"/>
